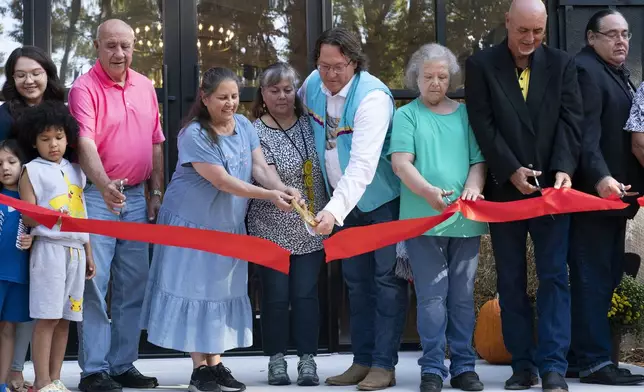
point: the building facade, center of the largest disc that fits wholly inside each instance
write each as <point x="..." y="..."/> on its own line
<point x="178" y="39"/>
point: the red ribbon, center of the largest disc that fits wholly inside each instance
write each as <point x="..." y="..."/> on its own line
<point x="346" y="243"/>
<point x="358" y="240"/>
<point x="244" y="247"/>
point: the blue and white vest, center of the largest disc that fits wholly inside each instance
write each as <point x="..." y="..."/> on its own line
<point x="385" y="185"/>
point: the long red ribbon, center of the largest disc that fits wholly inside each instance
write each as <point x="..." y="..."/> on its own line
<point x="358" y="240"/>
<point x="244" y="247"/>
<point x="346" y="243"/>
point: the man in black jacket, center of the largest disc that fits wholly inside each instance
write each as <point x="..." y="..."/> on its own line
<point x="524" y="106"/>
<point x="607" y="168"/>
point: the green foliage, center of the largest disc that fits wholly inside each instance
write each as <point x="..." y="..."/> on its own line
<point x="627" y="306"/>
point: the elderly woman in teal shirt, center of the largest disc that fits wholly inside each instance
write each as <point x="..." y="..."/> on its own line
<point x="435" y="154"/>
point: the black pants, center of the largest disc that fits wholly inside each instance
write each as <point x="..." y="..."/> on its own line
<point x="596" y="261"/>
<point x="299" y="289"/>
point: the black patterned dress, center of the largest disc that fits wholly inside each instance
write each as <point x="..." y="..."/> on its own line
<point x="288" y="150"/>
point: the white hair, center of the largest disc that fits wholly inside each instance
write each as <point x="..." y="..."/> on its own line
<point x="429" y="52"/>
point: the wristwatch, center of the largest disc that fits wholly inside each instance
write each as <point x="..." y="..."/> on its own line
<point x="157" y="192"/>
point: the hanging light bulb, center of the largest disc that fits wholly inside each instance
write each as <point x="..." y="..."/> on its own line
<point x="199" y="44"/>
<point x="140" y="42"/>
<point x="210" y="43"/>
<point x="219" y="42"/>
<point x="243" y="50"/>
<point x="228" y="32"/>
<point x="149" y="43"/>
<point x="138" y="30"/>
<point x="221" y="30"/>
<point x="211" y="28"/>
<point x="161" y="44"/>
<point x="147" y="28"/>
<point x="159" y="26"/>
<point x="200" y="26"/>
<point x="231" y="35"/>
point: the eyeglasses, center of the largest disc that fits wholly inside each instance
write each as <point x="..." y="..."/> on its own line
<point x="627" y="35"/>
<point x="337" y="69"/>
<point x="35" y="75"/>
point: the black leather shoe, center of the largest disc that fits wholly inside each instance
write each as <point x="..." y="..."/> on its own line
<point x="612" y="375"/>
<point x="521" y="379"/>
<point x="99" y="382"/>
<point x="430" y="382"/>
<point x="553" y="382"/>
<point x="468" y="381"/>
<point x="134" y="379"/>
<point x="572" y="374"/>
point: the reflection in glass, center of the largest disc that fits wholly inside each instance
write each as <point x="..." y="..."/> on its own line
<point x="469" y="32"/>
<point x="390" y="31"/>
<point x="10" y="31"/>
<point x="250" y="36"/>
<point x="73" y="29"/>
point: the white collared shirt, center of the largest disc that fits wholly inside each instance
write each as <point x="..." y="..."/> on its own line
<point x="370" y="126"/>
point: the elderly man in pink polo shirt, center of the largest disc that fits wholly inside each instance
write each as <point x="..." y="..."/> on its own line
<point x="120" y="150"/>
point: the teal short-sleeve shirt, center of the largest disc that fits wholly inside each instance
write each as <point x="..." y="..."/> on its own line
<point x="444" y="147"/>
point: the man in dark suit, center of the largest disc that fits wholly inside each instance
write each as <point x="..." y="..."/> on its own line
<point x="607" y="168"/>
<point x="524" y="106"/>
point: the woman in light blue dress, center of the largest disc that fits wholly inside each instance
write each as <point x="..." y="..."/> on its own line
<point x="197" y="301"/>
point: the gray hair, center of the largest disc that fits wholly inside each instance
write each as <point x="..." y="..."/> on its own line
<point x="274" y="74"/>
<point x="429" y="52"/>
<point x="278" y="72"/>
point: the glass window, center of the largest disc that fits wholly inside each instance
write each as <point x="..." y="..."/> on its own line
<point x="390" y="31"/>
<point x="73" y="29"/>
<point x="469" y="32"/>
<point x="249" y="36"/>
<point x="10" y="31"/>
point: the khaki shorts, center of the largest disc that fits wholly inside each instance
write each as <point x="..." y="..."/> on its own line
<point x="56" y="281"/>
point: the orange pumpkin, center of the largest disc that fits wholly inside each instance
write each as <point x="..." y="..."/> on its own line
<point x="488" y="335"/>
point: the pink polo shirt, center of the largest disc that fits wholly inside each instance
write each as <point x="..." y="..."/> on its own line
<point x="122" y="121"/>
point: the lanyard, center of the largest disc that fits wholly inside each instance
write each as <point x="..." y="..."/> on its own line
<point x="306" y="149"/>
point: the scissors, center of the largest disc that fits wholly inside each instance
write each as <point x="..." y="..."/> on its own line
<point x="444" y="194"/>
<point x="536" y="182"/>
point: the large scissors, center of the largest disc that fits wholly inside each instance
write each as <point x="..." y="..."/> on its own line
<point x="444" y="194"/>
<point x="536" y="182"/>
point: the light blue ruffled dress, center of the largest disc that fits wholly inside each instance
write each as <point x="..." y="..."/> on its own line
<point x="197" y="301"/>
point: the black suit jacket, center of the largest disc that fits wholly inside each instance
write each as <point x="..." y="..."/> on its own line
<point x="606" y="147"/>
<point x="541" y="132"/>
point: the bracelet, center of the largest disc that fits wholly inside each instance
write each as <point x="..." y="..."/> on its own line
<point x="156" y="192"/>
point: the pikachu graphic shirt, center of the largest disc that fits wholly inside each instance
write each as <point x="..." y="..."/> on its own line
<point x="59" y="187"/>
<point x="57" y="261"/>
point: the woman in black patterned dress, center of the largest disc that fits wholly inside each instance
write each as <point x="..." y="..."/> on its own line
<point x="287" y="141"/>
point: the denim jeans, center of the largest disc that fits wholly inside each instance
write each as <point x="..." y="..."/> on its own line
<point x="377" y="298"/>
<point x="596" y="259"/>
<point x="550" y="237"/>
<point x="112" y="345"/>
<point x="444" y="269"/>
<point x="299" y="289"/>
<point x="21" y="345"/>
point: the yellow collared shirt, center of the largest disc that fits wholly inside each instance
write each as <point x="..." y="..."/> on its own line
<point x="524" y="81"/>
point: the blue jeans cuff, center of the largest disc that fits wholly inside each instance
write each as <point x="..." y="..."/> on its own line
<point x="460" y="370"/>
<point x="380" y="366"/>
<point x="361" y="363"/>
<point x="120" y="370"/>
<point x="587" y="372"/>
<point x="553" y="369"/>
<point x="437" y="372"/>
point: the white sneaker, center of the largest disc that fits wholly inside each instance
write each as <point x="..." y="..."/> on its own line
<point x="61" y="387"/>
